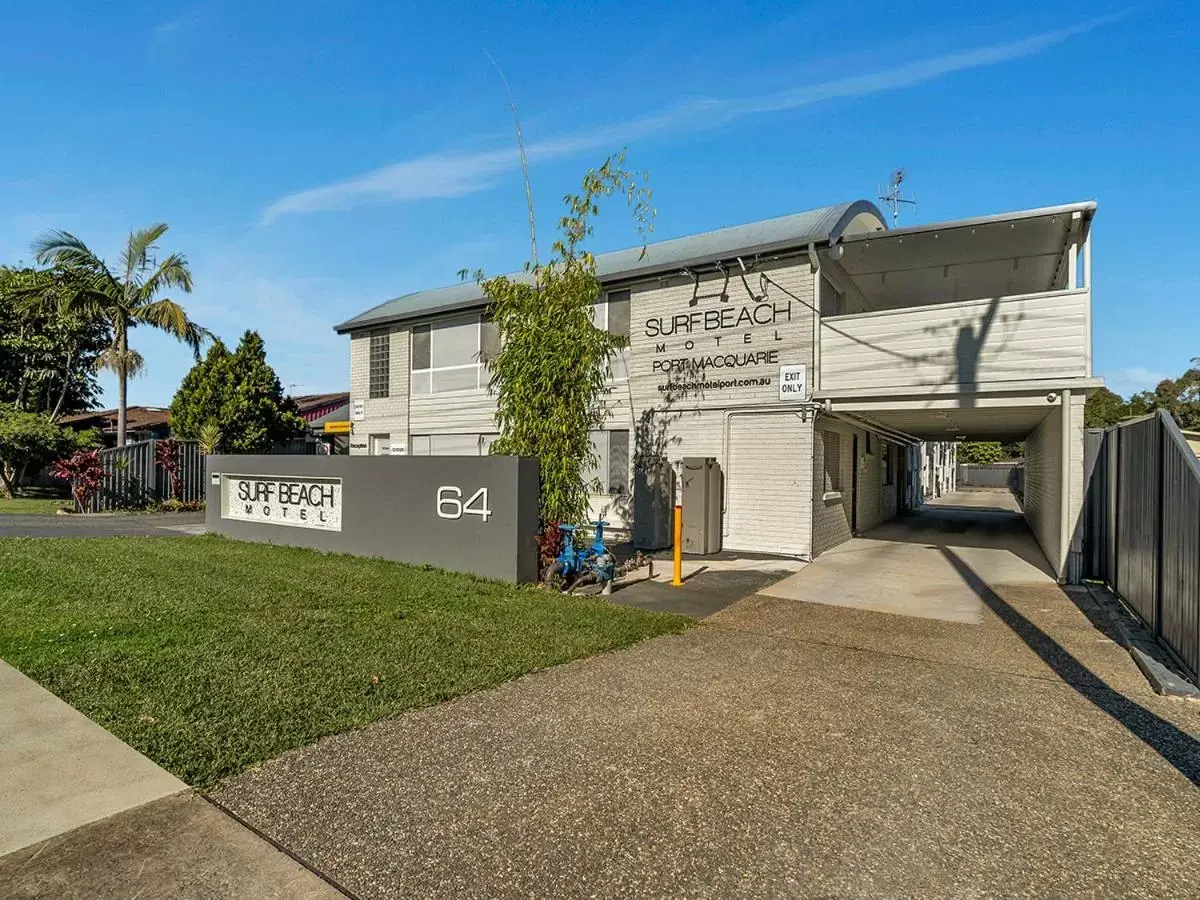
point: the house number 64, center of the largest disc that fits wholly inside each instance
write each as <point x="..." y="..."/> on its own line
<point x="450" y="503"/>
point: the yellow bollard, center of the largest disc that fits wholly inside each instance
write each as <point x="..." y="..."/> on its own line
<point x="677" y="581"/>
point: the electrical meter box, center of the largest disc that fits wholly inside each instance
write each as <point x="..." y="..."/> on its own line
<point x="701" y="492"/>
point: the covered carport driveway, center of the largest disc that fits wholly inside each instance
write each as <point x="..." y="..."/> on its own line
<point x="1046" y="416"/>
<point x="930" y="563"/>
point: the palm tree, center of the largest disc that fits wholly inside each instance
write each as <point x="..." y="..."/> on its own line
<point x="126" y="299"/>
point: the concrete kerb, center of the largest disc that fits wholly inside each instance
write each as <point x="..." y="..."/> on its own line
<point x="1147" y="653"/>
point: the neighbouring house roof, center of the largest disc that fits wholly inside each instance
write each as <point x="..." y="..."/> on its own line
<point x="137" y="418"/>
<point x="820" y="226"/>
<point x="318" y="408"/>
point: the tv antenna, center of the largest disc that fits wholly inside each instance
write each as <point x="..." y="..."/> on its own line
<point x="892" y="197"/>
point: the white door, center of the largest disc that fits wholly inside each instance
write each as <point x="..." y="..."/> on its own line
<point x="381" y="444"/>
<point x="768" y="484"/>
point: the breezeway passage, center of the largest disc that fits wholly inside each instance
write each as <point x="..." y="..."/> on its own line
<point x="912" y="566"/>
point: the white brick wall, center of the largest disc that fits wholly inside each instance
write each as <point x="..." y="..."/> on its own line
<point x="384" y="415"/>
<point x="877" y="503"/>
<point x="1043" y="466"/>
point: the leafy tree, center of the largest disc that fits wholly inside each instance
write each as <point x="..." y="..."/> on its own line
<point x="980" y="453"/>
<point x="202" y="393"/>
<point x="47" y="356"/>
<point x="30" y="441"/>
<point x="240" y="394"/>
<point x="1178" y="396"/>
<point x="124" y="300"/>
<point x="550" y="372"/>
<point x="1104" y="408"/>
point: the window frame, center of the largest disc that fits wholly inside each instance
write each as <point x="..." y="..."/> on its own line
<point x="478" y="365"/>
<point x="832" y="477"/>
<point x="379" y="338"/>
<point x="604" y="458"/>
<point x="483" y="442"/>
<point x="623" y="352"/>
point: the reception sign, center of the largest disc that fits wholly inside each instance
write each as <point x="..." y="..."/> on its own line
<point x="287" y="501"/>
<point x="476" y="514"/>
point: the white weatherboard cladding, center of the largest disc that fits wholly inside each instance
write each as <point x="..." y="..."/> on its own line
<point x="973" y="342"/>
<point x="768" y="483"/>
<point x="280" y="500"/>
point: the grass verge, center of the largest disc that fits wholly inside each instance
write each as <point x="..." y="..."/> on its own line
<point x="39" y="506"/>
<point x="209" y="655"/>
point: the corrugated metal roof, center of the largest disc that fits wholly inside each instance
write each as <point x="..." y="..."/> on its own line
<point x="1086" y="207"/>
<point x="767" y="236"/>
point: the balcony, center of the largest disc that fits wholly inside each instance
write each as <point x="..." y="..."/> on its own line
<point x="968" y="343"/>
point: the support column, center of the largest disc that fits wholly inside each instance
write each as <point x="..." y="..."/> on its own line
<point x="1064" y="493"/>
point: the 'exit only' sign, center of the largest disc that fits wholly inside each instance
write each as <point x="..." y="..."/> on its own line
<point x="792" y="383"/>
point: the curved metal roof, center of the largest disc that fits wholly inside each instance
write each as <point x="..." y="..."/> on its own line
<point x="818" y="226"/>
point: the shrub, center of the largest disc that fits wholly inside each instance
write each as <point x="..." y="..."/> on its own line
<point x="83" y="470"/>
<point x="167" y="458"/>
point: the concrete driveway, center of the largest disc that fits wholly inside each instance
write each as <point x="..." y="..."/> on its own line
<point x="911" y="566"/>
<point x="781" y="747"/>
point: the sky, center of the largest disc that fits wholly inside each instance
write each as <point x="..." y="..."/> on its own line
<point x="314" y="159"/>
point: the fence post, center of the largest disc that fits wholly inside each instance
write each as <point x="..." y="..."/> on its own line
<point x="1160" y="525"/>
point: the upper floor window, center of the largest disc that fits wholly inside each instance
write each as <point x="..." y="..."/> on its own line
<point x="611" y="314"/>
<point x="379" y="366"/>
<point x="450" y="355"/>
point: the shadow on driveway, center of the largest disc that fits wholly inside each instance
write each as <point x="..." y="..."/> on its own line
<point x="1175" y="746"/>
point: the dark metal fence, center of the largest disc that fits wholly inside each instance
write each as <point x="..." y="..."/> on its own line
<point x="1142" y="527"/>
<point x="132" y="480"/>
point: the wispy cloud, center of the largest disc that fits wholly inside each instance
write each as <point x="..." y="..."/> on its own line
<point x="1132" y="380"/>
<point x="178" y="25"/>
<point x="458" y="173"/>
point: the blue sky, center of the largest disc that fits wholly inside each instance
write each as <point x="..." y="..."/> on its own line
<point x="316" y="158"/>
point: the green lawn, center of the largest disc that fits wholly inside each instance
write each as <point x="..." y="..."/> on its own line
<point x="43" y="506"/>
<point x="209" y="655"/>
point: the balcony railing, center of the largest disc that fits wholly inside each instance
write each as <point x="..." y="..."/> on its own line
<point x="974" y="342"/>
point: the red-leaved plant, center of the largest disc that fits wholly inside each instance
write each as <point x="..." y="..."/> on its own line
<point x="166" y="456"/>
<point x="83" y="470"/>
<point x="550" y="544"/>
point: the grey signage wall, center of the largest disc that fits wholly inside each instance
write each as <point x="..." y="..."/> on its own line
<point x="465" y="513"/>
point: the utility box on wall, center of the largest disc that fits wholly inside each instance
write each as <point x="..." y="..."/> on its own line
<point x="653" y="504"/>
<point x="701" y="494"/>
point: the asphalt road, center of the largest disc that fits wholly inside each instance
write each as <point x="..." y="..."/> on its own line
<point x="146" y="525"/>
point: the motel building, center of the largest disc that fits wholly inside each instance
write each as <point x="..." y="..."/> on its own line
<point x="822" y="359"/>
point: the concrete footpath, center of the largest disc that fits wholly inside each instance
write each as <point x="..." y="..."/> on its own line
<point x="87" y="816"/>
